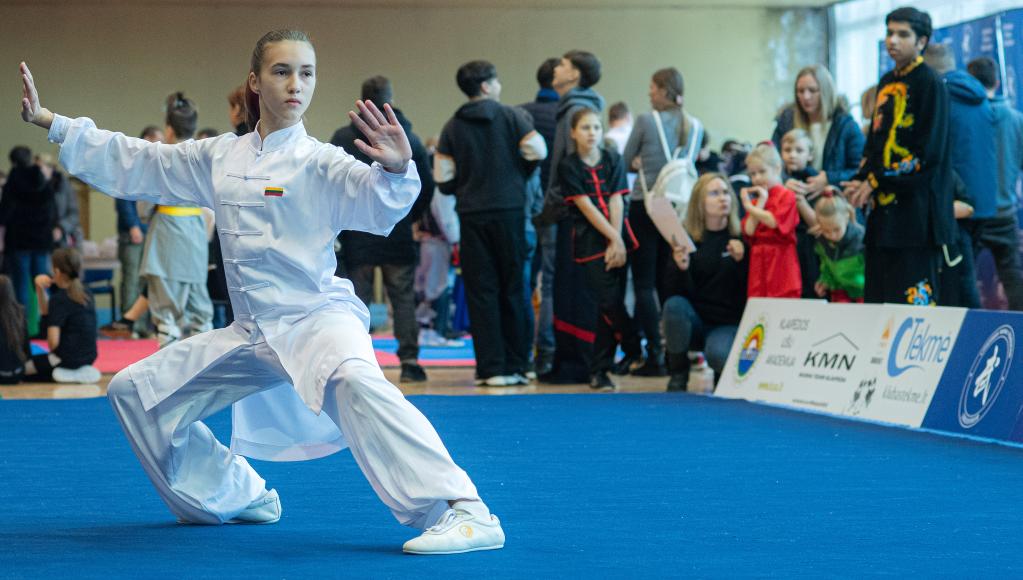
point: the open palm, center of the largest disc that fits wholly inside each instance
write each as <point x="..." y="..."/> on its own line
<point x="388" y="145"/>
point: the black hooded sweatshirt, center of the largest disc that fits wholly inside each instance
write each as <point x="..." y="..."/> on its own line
<point x="490" y="173"/>
<point x="360" y="248"/>
<point x="29" y="210"/>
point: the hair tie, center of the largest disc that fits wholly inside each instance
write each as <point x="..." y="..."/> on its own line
<point x="828" y="193"/>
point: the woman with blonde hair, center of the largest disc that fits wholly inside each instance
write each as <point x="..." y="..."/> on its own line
<point x="821" y="112"/>
<point x="708" y="287"/>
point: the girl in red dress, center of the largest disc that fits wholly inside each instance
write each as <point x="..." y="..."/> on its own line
<point x="770" y="225"/>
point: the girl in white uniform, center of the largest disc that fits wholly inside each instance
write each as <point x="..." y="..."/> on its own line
<point x="299" y="344"/>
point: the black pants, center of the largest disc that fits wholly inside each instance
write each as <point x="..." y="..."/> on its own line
<point x="613" y="324"/>
<point x="809" y="262"/>
<point x="903" y="275"/>
<point x="398" y="281"/>
<point x="493" y="252"/>
<point x="958" y="274"/>
<point x="685" y="330"/>
<point x="646" y="264"/>
<point x="1001" y="236"/>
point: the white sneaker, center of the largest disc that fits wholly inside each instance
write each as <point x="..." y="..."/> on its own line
<point x="497" y="381"/>
<point x="265" y="510"/>
<point x="458" y="532"/>
<point x="430" y="337"/>
<point x="85" y="374"/>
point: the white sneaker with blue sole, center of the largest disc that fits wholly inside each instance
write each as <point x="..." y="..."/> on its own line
<point x="458" y="532"/>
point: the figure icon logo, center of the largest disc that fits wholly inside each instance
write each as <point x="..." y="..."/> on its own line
<point x="987" y="376"/>
<point x="751" y="348"/>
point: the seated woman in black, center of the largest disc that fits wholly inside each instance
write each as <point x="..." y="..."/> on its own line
<point x="14" y="347"/>
<point x="709" y="285"/>
<point x="593" y="182"/>
<point x="69" y="316"/>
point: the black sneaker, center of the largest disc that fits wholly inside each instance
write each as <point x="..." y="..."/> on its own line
<point x="678" y="382"/>
<point x="117" y="329"/>
<point x="602" y="382"/>
<point x="624" y="366"/>
<point x="650" y="368"/>
<point x="412" y="373"/>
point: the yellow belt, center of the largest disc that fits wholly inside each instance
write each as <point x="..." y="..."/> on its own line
<point x="178" y="211"/>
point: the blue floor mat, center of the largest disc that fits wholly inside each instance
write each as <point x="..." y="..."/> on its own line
<point x="624" y="486"/>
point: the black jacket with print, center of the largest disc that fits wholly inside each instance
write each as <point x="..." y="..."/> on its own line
<point x="906" y="160"/>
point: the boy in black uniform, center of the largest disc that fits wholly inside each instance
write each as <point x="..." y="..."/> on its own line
<point x="905" y="173"/>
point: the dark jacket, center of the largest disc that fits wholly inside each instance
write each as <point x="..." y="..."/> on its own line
<point x="490" y="172"/>
<point x="570" y="102"/>
<point x="843" y="147"/>
<point x="544" y="114"/>
<point x="715" y="284"/>
<point x="912" y="197"/>
<point x="1009" y="123"/>
<point x="29" y="211"/>
<point x="973" y="141"/>
<point x="128" y="216"/>
<point x="360" y="248"/>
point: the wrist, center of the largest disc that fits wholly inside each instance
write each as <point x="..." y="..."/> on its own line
<point x="398" y="170"/>
<point x="44" y="119"/>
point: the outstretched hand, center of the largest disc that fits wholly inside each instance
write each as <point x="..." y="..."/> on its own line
<point x="388" y="144"/>
<point x="31" y="110"/>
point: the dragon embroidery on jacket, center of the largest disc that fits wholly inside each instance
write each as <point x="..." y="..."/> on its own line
<point x="905" y="161"/>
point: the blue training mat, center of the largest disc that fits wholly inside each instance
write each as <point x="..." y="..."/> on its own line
<point x="624" y="486"/>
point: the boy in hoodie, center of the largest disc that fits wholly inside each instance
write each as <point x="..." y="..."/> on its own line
<point x="485" y="155"/>
<point x="395" y="254"/>
<point x="1000" y="232"/>
<point x="972" y="153"/>
<point x="905" y="173"/>
<point x="574" y="306"/>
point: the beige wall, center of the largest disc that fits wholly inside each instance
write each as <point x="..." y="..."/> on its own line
<point x="117" y="62"/>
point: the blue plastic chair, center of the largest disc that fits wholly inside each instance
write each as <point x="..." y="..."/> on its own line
<point x="101" y="281"/>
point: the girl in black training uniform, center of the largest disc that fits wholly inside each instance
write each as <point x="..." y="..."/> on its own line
<point x="593" y="182"/>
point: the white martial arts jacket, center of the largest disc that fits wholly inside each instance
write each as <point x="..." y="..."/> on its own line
<point x="279" y="205"/>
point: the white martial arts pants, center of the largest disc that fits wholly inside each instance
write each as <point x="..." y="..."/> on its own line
<point x="202" y="481"/>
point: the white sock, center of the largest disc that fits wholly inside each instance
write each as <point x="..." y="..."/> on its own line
<point x="477" y="508"/>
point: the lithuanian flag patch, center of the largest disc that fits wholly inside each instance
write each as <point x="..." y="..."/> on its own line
<point x="274" y="191"/>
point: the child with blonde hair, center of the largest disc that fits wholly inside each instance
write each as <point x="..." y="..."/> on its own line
<point x="770" y="225"/>
<point x="797" y="155"/>
<point x="840" y="249"/>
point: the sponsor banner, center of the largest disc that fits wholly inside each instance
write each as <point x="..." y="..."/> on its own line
<point x="906" y="357"/>
<point x="1012" y="47"/>
<point x="980" y="391"/>
<point x="800" y="353"/>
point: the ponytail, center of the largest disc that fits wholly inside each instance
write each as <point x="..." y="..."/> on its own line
<point x="831" y="205"/>
<point x="69" y="262"/>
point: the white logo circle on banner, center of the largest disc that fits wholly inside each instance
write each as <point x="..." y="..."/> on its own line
<point x="987" y="376"/>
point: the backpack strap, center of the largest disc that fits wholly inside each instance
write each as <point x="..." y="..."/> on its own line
<point x="695" y="137"/>
<point x="660" y="133"/>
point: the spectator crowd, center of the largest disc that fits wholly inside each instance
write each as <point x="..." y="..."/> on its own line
<point x="542" y="229"/>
